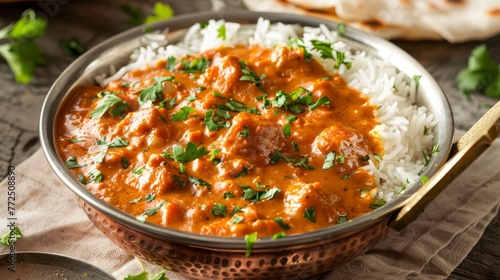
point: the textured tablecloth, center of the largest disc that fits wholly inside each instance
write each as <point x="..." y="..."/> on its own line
<point x="429" y="248"/>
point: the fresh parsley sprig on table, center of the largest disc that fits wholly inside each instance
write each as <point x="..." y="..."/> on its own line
<point x="481" y="75"/>
<point x="20" y="49"/>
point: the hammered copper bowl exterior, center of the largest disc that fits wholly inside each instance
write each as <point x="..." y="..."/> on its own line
<point x="295" y="262"/>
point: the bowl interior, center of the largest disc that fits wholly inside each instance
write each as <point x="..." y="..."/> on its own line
<point x="116" y="51"/>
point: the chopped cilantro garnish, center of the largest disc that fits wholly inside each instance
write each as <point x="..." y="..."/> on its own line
<point x="183" y="114"/>
<point x="168" y="103"/>
<point x="236" y="220"/>
<point x="250" y="240"/>
<point x="341" y="29"/>
<point x="125" y="163"/>
<point x="254" y="196"/>
<point x="304" y="163"/>
<point x="219" y="210"/>
<point x="154" y="92"/>
<point x="251" y="76"/>
<point x="278" y="235"/>
<point x="481" y="75"/>
<point x="221" y="32"/>
<point x="82" y="179"/>
<point x="138" y="170"/>
<point x="10" y="238"/>
<point x="118" y="142"/>
<point x="342" y="219"/>
<point x="287" y="130"/>
<point x="72" y="162"/>
<point x="108" y="101"/>
<point x="322" y="101"/>
<point x="171" y="63"/>
<point x="326" y="50"/>
<point x="199" y="182"/>
<point x="197" y="65"/>
<point x="150" y="197"/>
<point x="242" y="173"/>
<point x="217" y="94"/>
<point x="380" y="202"/>
<point x="310" y="214"/>
<point x="191" y="153"/>
<point x="161" y="11"/>
<point x="236" y="106"/>
<point x="282" y="224"/>
<point x="245" y="132"/>
<point x="95" y="176"/>
<point x="74" y="140"/>
<point x="228" y="195"/>
<point x="179" y="181"/>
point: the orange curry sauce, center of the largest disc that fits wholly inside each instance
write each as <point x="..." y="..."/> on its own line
<point x="235" y="169"/>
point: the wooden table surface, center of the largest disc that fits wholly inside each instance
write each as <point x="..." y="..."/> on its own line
<point x="92" y="21"/>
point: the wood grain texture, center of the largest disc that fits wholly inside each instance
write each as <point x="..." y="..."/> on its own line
<point x="92" y="21"/>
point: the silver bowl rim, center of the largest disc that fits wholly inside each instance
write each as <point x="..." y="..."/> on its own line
<point x="382" y="47"/>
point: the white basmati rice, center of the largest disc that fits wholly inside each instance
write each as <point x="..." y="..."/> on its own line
<point x="402" y="124"/>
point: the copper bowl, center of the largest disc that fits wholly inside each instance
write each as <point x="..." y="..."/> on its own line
<point x="200" y="256"/>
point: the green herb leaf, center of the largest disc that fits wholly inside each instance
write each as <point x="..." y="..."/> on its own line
<point x="72" y="162"/>
<point x="236" y="220"/>
<point x="229" y="195"/>
<point x="118" y="142"/>
<point x="146" y="276"/>
<point x="341" y="29"/>
<point x="221" y="32"/>
<point x="245" y="132"/>
<point x="219" y="210"/>
<point x="282" y="224"/>
<point x="95" y="176"/>
<point x="21" y="52"/>
<point x="254" y="196"/>
<point x="199" y="182"/>
<point x="287" y="130"/>
<point x="242" y="173"/>
<point x="236" y="106"/>
<point x="108" y="101"/>
<point x="179" y="181"/>
<point x="74" y="140"/>
<point x="342" y="219"/>
<point x="82" y="179"/>
<point x="279" y="235"/>
<point x="481" y="75"/>
<point x="310" y="213"/>
<point x="125" y="163"/>
<point x="72" y="47"/>
<point x="150" y="197"/>
<point x="154" y="92"/>
<point x="250" y="240"/>
<point x="380" y="202"/>
<point x="138" y="170"/>
<point x="197" y="65"/>
<point x="191" y="153"/>
<point x="161" y="11"/>
<point x="322" y="101"/>
<point x="305" y="164"/>
<point x="251" y="76"/>
<point x="9" y="239"/>
<point x="183" y="114"/>
<point x="152" y="211"/>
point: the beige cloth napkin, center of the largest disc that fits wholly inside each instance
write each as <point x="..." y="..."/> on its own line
<point x="431" y="247"/>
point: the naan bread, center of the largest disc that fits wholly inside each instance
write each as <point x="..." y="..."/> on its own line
<point x="451" y="20"/>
